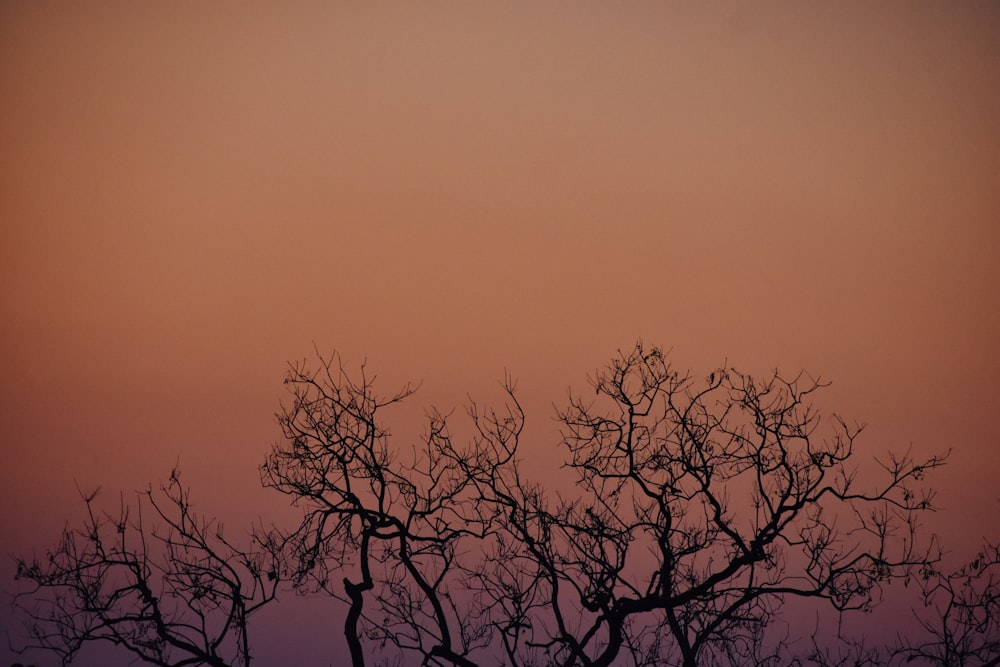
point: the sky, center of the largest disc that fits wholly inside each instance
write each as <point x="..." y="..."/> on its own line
<point x="194" y="194"/>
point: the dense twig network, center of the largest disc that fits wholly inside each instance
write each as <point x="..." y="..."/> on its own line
<point x="703" y="507"/>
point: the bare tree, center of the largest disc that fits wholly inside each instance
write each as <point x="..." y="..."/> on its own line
<point x="390" y="521"/>
<point x="702" y="507"/>
<point x="171" y="589"/>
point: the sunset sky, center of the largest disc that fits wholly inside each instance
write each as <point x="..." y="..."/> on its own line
<point x="193" y="194"/>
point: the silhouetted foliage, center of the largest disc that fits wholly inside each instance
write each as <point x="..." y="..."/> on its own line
<point x="702" y="506"/>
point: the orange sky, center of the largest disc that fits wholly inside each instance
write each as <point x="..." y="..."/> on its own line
<point x="193" y="193"/>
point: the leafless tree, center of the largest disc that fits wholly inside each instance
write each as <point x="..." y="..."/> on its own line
<point x="169" y="588"/>
<point x="392" y="522"/>
<point x="702" y="506"/>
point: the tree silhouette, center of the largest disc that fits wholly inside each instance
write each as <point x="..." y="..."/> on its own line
<point x="174" y="592"/>
<point x="651" y="562"/>
<point x="702" y="508"/>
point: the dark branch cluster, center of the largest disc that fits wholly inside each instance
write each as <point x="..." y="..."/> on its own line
<point x="702" y="507"/>
<point x="964" y="628"/>
<point x="170" y="588"/>
<point x="393" y="524"/>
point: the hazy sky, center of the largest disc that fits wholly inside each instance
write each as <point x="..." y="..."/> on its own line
<point x="192" y="194"/>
